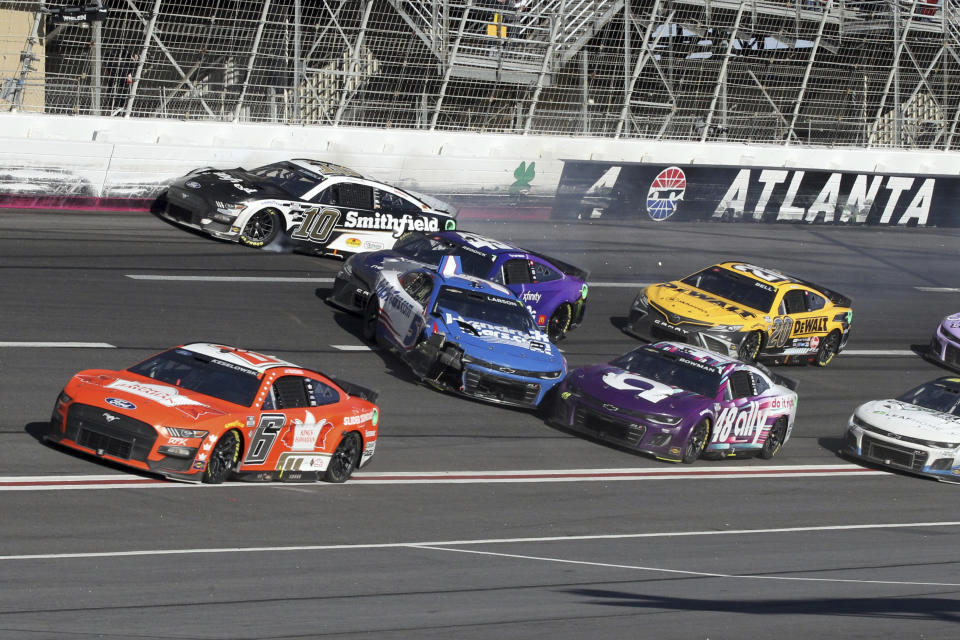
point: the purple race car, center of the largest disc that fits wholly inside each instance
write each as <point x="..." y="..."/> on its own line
<point x="555" y="292"/>
<point x="945" y="343"/>
<point x="678" y="403"/>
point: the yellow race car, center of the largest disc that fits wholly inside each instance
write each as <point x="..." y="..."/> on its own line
<point x="747" y="312"/>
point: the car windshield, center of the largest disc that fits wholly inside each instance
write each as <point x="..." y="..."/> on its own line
<point x="289" y="177"/>
<point x="733" y="286"/>
<point x="475" y="305"/>
<point x="939" y="395"/>
<point x="196" y="372"/>
<point x="431" y="249"/>
<point x="672" y="370"/>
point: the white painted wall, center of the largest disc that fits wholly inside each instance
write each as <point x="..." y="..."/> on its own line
<point x="132" y="157"/>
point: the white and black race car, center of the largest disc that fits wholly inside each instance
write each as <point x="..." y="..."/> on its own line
<point x="917" y="432"/>
<point x="319" y="207"/>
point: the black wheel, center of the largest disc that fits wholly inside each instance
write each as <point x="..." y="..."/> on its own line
<point x="261" y="228"/>
<point x="371" y="318"/>
<point x="559" y="322"/>
<point x="750" y="347"/>
<point x="345" y="459"/>
<point x="697" y="443"/>
<point x="828" y="349"/>
<point x="223" y="458"/>
<point x="778" y="433"/>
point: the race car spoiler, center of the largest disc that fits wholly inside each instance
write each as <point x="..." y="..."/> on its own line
<point x="356" y="390"/>
<point x="565" y="267"/>
<point x="836" y="298"/>
<point x="781" y="380"/>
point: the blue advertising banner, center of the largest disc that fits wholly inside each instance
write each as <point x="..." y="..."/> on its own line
<point x="591" y="189"/>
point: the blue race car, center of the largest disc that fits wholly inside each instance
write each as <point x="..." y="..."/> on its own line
<point x="461" y="333"/>
<point x="553" y="291"/>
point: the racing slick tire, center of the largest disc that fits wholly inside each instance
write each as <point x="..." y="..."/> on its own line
<point x="559" y="322"/>
<point x="371" y="318"/>
<point x="345" y="459"/>
<point x="261" y="229"/>
<point x="749" y="349"/>
<point x="223" y="458"/>
<point x="697" y="442"/>
<point x="773" y="443"/>
<point x="829" y="347"/>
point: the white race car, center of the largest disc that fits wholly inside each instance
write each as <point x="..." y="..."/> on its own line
<point x="319" y="207"/>
<point x="918" y="432"/>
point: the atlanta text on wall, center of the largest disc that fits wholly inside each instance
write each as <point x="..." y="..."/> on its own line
<point x="589" y="189"/>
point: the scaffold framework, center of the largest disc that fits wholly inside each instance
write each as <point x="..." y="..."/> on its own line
<point x="868" y="73"/>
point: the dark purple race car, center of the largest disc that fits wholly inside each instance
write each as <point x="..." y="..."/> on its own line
<point x="555" y="292"/>
<point x="678" y="403"/>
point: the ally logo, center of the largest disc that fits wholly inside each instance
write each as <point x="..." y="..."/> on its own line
<point x="524" y="175"/>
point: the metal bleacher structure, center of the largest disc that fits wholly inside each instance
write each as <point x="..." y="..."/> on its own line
<point x="867" y="73"/>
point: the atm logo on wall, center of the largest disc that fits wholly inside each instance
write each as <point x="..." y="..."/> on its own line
<point x="666" y="192"/>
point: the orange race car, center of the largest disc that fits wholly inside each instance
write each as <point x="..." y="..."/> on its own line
<point x="206" y="412"/>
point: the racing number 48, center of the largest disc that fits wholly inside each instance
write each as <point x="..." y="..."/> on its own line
<point x="317" y="225"/>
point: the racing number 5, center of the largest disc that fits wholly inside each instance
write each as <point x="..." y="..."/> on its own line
<point x="317" y="225"/>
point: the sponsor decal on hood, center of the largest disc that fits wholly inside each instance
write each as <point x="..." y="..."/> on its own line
<point x="164" y="395"/>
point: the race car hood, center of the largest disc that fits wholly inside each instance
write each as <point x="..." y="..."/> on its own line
<point x="231" y="185"/>
<point x="501" y="345"/>
<point x="631" y="392"/>
<point x="369" y="264"/>
<point x="950" y="326"/>
<point x="678" y="299"/>
<point x="910" y="420"/>
<point x="144" y="399"/>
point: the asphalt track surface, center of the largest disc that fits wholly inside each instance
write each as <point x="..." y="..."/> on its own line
<point x="472" y="521"/>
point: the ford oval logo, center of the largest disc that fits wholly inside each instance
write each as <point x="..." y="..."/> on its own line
<point x="193" y="184"/>
<point x="120" y="403"/>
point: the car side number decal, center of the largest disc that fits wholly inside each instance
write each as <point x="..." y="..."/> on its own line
<point x="264" y="436"/>
<point x="782" y="326"/>
<point x="317" y="225"/>
<point x="650" y="390"/>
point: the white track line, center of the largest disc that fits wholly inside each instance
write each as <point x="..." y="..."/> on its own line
<point x="62" y="345"/>
<point x="135" y="276"/>
<point x="701" y="574"/>
<point x="877" y="352"/>
<point x="601" y="285"/>
<point x="479" y="541"/>
<point x="116" y="481"/>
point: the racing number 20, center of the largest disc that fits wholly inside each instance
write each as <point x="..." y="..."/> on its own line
<point x="782" y="326"/>
<point x="317" y="225"/>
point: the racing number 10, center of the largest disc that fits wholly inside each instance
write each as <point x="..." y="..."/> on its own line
<point x="317" y="225"/>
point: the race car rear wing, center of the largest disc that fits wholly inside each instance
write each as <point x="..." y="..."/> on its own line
<point x="356" y="390"/>
<point x="836" y="298"/>
<point x="565" y="267"/>
<point x="783" y="381"/>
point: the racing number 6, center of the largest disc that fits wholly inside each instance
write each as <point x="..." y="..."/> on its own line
<point x="318" y="225"/>
<point x="263" y="438"/>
